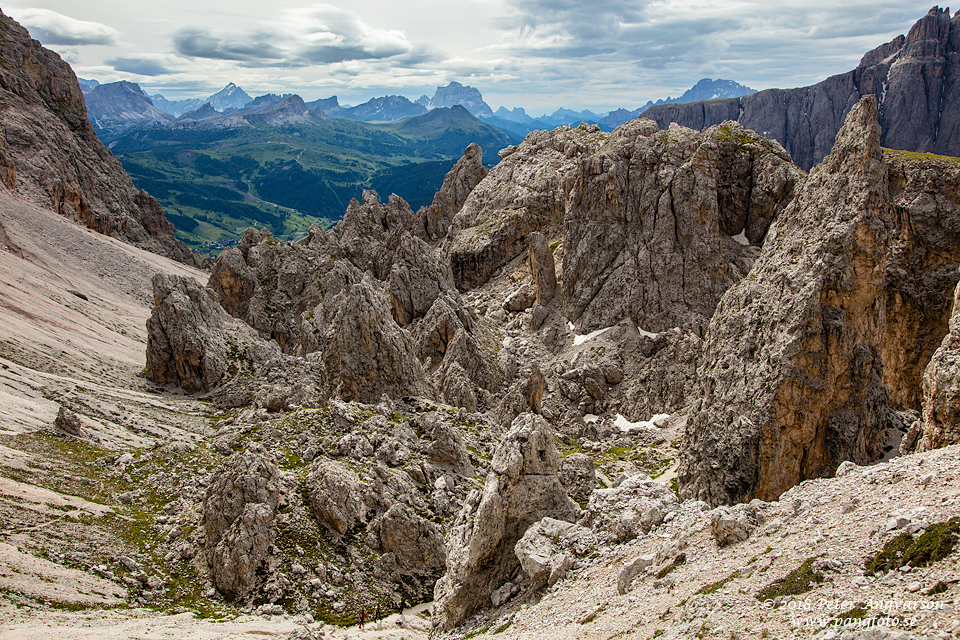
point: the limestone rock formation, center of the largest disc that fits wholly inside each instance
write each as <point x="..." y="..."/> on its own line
<point x="941" y="389"/>
<point x="51" y="157"/>
<point x="239" y="510"/>
<point x="457" y="185"/>
<point x="335" y="495"/>
<point x="417" y="279"/>
<point x="525" y="192"/>
<point x="915" y="77"/>
<point x="630" y="509"/>
<point x="365" y="352"/>
<point x="415" y="542"/>
<point x="521" y="489"/>
<point x="659" y="225"/>
<point x="795" y="361"/>
<point x="550" y="548"/>
<point x="192" y="342"/>
<point x="542" y="267"/>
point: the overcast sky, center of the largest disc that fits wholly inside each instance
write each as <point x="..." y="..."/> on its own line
<point x="538" y="54"/>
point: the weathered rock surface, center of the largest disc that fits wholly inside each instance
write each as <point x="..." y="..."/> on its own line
<point x="521" y="489"/>
<point x="457" y="185"/>
<point x="649" y="228"/>
<point x="941" y="389"/>
<point x="416" y="543"/>
<point x="525" y="192"/>
<point x="335" y="495"/>
<point x="542" y="267"/>
<point x="630" y="509"/>
<point x="417" y="279"/>
<point x="51" y="157"/>
<point x="578" y="476"/>
<point x="68" y="422"/>
<point x="914" y="76"/>
<point x="796" y="356"/>
<point x="550" y="548"/>
<point x="192" y="342"/>
<point x="365" y="352"/>
<point x="239" y="510"/>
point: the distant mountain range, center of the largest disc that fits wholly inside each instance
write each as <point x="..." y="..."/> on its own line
<point x="705" y="89"/>
<point x="230" y="97"/>
<point x="279" y="161"/>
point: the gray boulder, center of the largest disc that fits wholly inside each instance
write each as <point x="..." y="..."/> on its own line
<point x="550" y="548"/>
<point x="335" y="495"/>
<point x="630" y="509"/>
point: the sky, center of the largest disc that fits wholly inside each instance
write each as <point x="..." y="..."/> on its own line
<point x="537" y="54"/>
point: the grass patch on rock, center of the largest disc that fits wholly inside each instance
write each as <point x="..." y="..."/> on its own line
<point x="798" y="581"/>
<point x="936" y="543"/>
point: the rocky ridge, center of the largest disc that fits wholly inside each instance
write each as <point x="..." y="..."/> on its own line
<point x="51" y="157"/>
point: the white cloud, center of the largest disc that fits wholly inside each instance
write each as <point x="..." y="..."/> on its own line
<point x="320" y="34"/>
<point x="50" y="27"/>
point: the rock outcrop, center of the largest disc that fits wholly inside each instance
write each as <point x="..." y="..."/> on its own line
<point x="521" y="489"/>
<point x="192" y="342"/>
<point x="526" y="191"/>
<point x="915" y="77"/>
<point x="51" y="157"/>
<point x="457" y="185"/>
<point x="239" y="511"/>
<point x="630" y="509"/>
<point x="660" y="225"/>
<point x="804" y="359"/>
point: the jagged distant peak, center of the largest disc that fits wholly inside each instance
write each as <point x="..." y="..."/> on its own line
<point x="230" y="97"/>
<point x="455" y="93"/>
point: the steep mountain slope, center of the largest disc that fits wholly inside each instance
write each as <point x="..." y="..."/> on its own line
<point x="50" y="155"/>
<point x="833" y="326"/>
<point x="118" y="107"/>
<point x="916" y="78"/>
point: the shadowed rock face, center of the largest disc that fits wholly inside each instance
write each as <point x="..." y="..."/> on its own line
<point x="916" y="78"/>
<point x="51" y="157"/>
<point x="805" y="359"/>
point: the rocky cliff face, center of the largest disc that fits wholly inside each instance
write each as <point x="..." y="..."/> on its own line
<point x="916" y="78"/>
<point x="51" y="157"/>
<point x="808" y="356"/>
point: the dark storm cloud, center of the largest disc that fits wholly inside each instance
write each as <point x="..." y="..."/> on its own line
<point x="200" y="43"/>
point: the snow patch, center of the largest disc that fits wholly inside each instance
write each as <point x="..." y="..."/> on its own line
<point x="647" y="334"/>
<point x="742" y="238"/>
<point x="578" y="340"/>
<point x="626" y="426"/>
<point x="570" y="325"/>
<point x="589" y="417"/>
